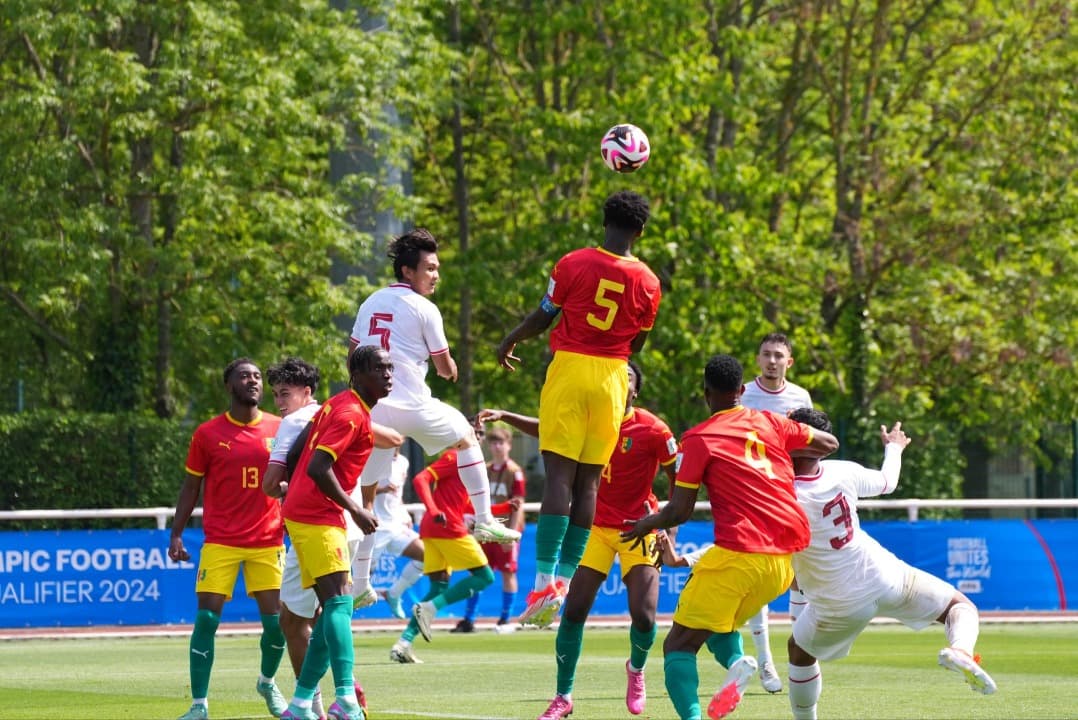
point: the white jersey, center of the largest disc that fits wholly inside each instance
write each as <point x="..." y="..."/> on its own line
<point x="291" y="426"/>
<point x="789" y="397"/>
<point x="844" y="567"/>
<point x="410" y="327"/>
<point x="389" y="498"/>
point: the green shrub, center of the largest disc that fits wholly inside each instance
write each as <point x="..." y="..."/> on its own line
<point x="87" y="460"/>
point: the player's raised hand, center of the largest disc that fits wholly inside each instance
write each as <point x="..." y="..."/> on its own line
<point x="487" y="415"/>
<point x="894" y="435"/>
<point x="505" y="354"/>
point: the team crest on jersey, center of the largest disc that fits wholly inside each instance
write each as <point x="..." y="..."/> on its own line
<point x="271" y="443"/>
<point x="626" y="444"/>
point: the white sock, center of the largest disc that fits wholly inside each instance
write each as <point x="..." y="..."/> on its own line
<point x="542" y="580"/>
<point x="264" y="680"/>
<point x="409" y="576"/>
<point x="760" y="636"/>
<point x="361" y="565"/>
<point x="798" y="601"/>
<point x="963" y="625"/>
<point x="806" y="683"/>
<point x="473" y="473"/>
<point x="204" y="702"/>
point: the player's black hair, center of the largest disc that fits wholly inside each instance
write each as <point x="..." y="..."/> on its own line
<point x="813" y="418"/>
<point x="639" y="376"/>
<point x="723" y="373"/>
<point x="362" y="359"/>
<point x="235" y="364"/>
<point x="406" y="249"/>
<point x="626" y="210"/>
<point x="780" y="338"/>
<point x="295" y="372"/>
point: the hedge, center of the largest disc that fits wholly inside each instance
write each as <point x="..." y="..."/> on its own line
<point x="89" y="460"/>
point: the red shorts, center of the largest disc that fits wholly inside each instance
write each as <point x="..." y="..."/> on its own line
<point x="502" y="557"/>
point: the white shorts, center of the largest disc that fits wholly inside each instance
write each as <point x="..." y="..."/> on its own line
<point x="916" y="603"/>
<point x="393" y="538"/>
<point x="436" y="426"/>
<point x="300" y="600"/>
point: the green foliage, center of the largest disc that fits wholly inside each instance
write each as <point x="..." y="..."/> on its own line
<point x="84" y="460"/>
<point x="889" y="184"/>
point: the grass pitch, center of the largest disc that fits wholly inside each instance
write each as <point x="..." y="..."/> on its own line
<point x="892" y="673"/>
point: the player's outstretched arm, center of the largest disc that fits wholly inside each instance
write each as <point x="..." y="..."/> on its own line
<point x="524" y="423"/>
<point x="534" y="324"/>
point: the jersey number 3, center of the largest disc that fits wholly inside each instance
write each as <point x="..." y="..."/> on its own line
<point x="603" y="300"/>
<point x="381" y="331"/>
<point x="844" y="519"/>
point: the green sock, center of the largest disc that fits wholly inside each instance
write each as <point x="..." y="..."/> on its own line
<point x="337" y="615"/>
<point x="567" y="648"/>
<point x="640" y="643"/>
<point x="726" y="647"/>
<point x="315" y="662"/>
<point x="572" y="549"/>
<point x="479" y="579"/>
<point x="549" y="533"/>
<point x="683" y="684"/>
<point x="272" y="644"/>
<point x="201" y="654"/>
<point x="436" y="589"/>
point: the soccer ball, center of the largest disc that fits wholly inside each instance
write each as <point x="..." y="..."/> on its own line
<point x="625" y="148"/>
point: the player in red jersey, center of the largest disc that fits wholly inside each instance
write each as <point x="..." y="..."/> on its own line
<point x="339" y="442"/>
<point x="447" y="546"/>
<point x="225" y="463"/>
<point x="742" y="457"/>
<point x="608" y="300"/>
<point x="645" y="444"/>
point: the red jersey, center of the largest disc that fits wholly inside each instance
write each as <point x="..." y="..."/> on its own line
<point x="231" y="458"/>
<point x="644" y="443"/>
<point x="507" y="481"/>
<point x="605" y="301"/>
<point x="342" y="428"/>
<point x="447" y="493"/>
<point x="742" y="457"/>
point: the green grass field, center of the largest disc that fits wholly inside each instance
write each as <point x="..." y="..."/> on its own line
<point x="892" y="673"/>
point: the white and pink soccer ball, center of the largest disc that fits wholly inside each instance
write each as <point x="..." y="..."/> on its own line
<point x="625" y="148"/>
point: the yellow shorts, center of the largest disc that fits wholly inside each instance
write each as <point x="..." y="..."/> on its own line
<point x="449" y="554"/>
<point x="727" y="587"/>
<point x="581" y="406"/>
<point x="320" y="549"/>
<point x="604" y="544"/>
<point x="218" y="566"/>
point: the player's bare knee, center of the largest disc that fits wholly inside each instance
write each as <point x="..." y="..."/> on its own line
<point x="797" y="655"/>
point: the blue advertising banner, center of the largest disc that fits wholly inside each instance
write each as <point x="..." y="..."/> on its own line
<point x="124" y="577"/>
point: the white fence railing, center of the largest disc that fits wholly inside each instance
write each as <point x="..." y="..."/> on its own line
<point x="162" y="515"/>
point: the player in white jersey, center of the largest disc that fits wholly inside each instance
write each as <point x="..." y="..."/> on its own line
<point x="396" y="533"/>
<point x="294" y="382"/>
<point x="771" y="391"/>
<point x="401" y="320"/>
<point x="849" y="578"/>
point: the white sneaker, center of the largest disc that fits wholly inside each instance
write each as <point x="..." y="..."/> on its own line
<point x="423" y="612"/>
<point x="733" y="687"/>
<point x="403" y="653"/>
<point x="364" y="599"/>
<point x="769" y="677"/>
<point x="494" y="532"/>
<point x="977" y="679"/>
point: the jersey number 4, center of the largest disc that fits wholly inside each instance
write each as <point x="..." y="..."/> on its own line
<point x="381" y="331"/>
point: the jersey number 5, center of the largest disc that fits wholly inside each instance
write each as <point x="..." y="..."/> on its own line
<point x="381" y="331"/>
<point x="602" y="299"/>
<point x="844" y="519"/>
